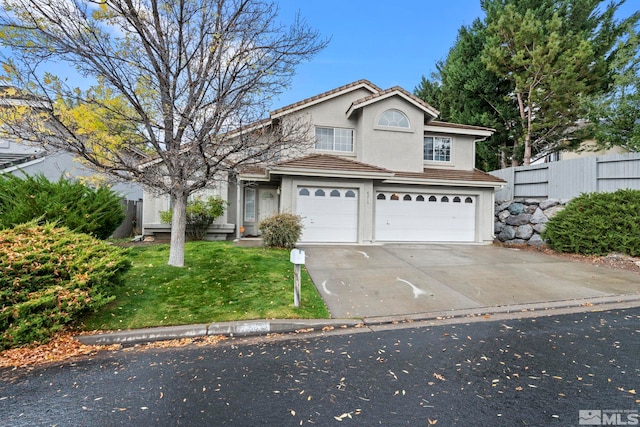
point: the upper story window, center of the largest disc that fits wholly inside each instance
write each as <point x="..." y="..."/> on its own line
<point x="437" y="148"/>
<point x="394" y="119"/>
<point x="334" y="139"/>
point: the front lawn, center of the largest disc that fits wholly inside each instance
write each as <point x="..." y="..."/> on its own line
<point x="219" y="282"/>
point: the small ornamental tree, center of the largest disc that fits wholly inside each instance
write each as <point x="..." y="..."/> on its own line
<point x="201" y="213"/>
<point x="179" y="80"/>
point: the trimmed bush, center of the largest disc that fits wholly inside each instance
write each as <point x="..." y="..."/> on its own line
<point x="49" y="276"/>
<point x="71" y="204"/>
<point x="200" y="215"/>
<point x="281" y="230"/>
<point x="597" y="224"/>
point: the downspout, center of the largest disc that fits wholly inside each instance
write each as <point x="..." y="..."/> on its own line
<point x="239" y="209"/>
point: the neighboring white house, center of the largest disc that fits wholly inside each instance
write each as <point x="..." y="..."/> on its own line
<point x="382" y="169"/>
<point x="20" y="158"/>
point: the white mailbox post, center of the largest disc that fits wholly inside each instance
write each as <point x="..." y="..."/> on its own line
<point x="297" y="258"/>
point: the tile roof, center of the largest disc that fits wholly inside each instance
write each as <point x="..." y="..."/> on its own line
<point x="330" y="162"/>
<point x="12" y="159"/>
<point x="450" y="175"/>
<point x="325" y="95"/>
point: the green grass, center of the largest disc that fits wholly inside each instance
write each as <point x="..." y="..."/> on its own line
<point x="219" y="282"/>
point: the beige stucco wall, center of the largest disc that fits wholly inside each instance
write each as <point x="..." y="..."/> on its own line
<point x="393" y="149"/>
<point x="154" y="203"/>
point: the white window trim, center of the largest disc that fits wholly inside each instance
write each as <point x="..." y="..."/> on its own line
<point x="250" y="216"/>
<point x="353" y="139"/>
<point x="439" y="162"/>
<point x="378" y="126"/>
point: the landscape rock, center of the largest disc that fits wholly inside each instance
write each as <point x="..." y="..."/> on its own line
<point x="516" y="208"/>
<point x="552" y="211"/>
<point x="522" y="221"/>
<point x="539" y="228"/>
<point x="507" y="233"/>
<point x="519" y="219"/>
<point x="539" y="217"/>
<point x="503" y="215"/>
<point x="524" y="232"/>
<point x="535" y="240"/>
<point x="548" y="203"/>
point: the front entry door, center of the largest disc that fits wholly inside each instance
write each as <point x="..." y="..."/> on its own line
<point x="267" y="204"/>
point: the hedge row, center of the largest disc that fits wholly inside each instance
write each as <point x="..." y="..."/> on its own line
<point x="48" y="276"/>
<point x="597" y="224"/>
<point x="69" y="203"/>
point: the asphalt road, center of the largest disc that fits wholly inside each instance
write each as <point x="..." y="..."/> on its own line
<point x="529" y="372"/>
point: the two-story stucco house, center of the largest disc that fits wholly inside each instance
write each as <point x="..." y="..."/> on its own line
<point x="381" y="169"/>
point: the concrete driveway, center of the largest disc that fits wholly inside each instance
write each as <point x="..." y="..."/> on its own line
<point x="391" y="280"/>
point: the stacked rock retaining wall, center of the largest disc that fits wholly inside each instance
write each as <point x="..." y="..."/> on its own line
<point x="522" y="221"/>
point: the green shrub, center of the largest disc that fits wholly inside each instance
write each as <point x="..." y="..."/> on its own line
<point x="200" y="215"/>
<point x="597" y="224"/>
<point x="50" y="275"/>
<point x="281" y="230"/>
<point x="71" y="204"/>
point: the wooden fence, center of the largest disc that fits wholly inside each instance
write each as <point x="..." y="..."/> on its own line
<point x="567" y="179"/>
<point x="132" y="224"/>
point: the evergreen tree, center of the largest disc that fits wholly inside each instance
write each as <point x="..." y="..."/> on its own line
<point x="526" y="70"/>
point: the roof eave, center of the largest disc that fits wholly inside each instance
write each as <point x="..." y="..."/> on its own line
<point x="285" y="111"/>
<point x="445" y="182"/>
<point x="458" y="131"/>
<point x="430" y="111"/>
<point x="331" y="173"/>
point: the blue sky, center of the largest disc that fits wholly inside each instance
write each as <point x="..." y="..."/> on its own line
<point x="387" y="42"/>
<point x="390" y="43"/>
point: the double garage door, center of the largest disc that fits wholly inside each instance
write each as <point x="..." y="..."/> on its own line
<point x="420" y="217"/>
<point x="330" y="214"/>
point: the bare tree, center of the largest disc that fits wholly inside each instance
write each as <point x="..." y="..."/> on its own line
<point x="180" y="80"/>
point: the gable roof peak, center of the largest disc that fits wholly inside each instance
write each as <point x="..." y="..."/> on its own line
<point x="362" y="83"/>
<point x="393" y="91"/>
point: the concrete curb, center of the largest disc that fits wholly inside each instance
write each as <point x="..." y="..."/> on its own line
<point x="281" y="326"/>
<point x="237" y="328"/>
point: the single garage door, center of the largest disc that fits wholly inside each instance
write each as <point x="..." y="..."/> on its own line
<point x="328" y="214"/>
<point x="423" y="217"/>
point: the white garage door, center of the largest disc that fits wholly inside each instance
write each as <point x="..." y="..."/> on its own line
<point x="328" y="214"/>
<point x="422" y="217"/>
